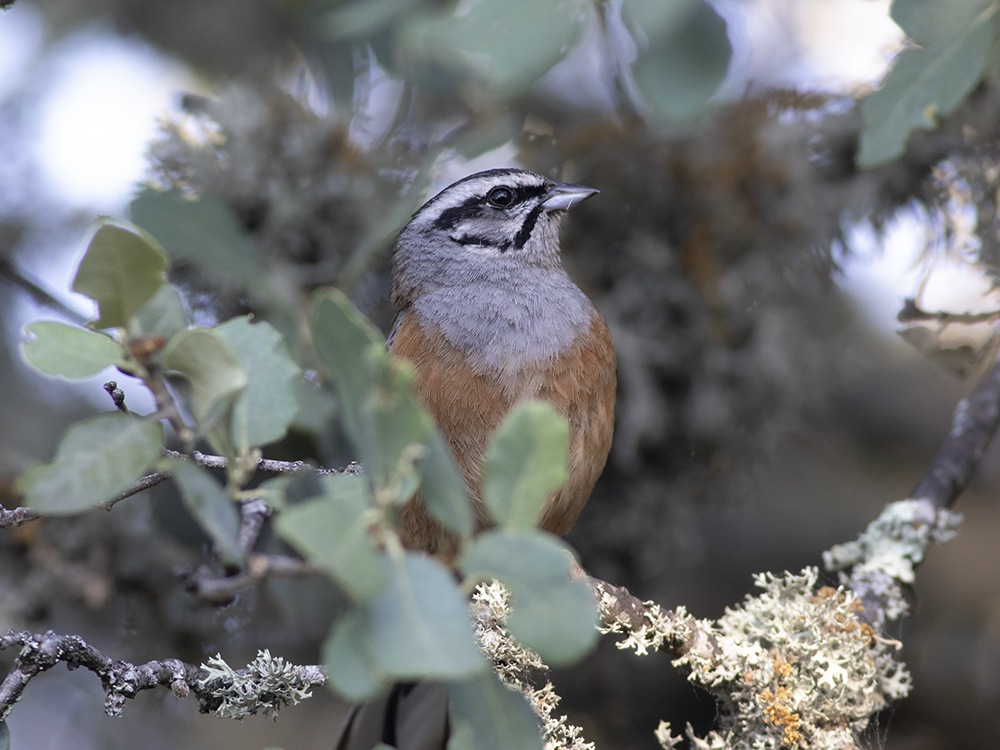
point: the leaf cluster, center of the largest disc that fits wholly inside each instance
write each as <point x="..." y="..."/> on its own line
<point x="236" y="387"/>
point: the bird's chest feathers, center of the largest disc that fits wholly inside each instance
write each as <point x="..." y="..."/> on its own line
<point x="507" y="332"/>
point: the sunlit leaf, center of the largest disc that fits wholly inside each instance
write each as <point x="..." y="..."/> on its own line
<point x="930" y="81"/>
<point x="209" y="504"/>
<point x="121" y="271"/>
<point x="97" y="460"/>
<point x="70" y="351"/>
<point x="487" y="715"/>
<point x="526" y="461"/>
<point x="684" y="53"/>
<point x="163" y="315"/>
<point x="269" y="402"/>
<point x="550" y="613"/>
<point x="332" y="531"/>
<point x="216" y="377"/>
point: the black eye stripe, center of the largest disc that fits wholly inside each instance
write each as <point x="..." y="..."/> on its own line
<point x="472" y="207"/>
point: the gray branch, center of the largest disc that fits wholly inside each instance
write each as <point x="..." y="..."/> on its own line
<point x="267" y="683"/>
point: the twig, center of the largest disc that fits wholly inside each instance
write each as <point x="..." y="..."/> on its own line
<point x="975" y="422"/>
<point x="20" y="516"/>
<point x="122" y="680"/>
<point x="253" y="513"/>
<point x="912" y="313"/>
<point x="210" y="588"/>
<point x="117" y="395"/>
<point x="38" y="293"/>
<point x="17" y="517"/>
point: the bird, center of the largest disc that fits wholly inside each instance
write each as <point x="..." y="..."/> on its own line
<point x="488" y="317"/>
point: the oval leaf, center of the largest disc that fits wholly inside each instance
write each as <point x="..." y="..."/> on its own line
<point x="550" y="612"/>
<point x="419" y="625"/>
<point x="485" y="714"/>
<point x="70" y="351"/>
<point x="96" y="461"/>
<point x="202" y="231"/>
<point x="122" y="269"/>
<point x="269" y="403"/>
<point x="928" y="82"/>
<point x="209" y="504"/>
<point x="215" y="374"/>
<point x="163" y="315"/>
<point x="332" y="531"/>
<point x="526" y="461"/>
<point x="353" y="673"/>
<point x="686" y="55"/>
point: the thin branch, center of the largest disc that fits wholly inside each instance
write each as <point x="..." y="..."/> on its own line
<point x="17" y="517"/>
<point x="38" y="293"/>
<point x="974" y="423"/>
<point x="210" y="588"/>
<point x="215" y="687"/>
<point x="913" y="313"/>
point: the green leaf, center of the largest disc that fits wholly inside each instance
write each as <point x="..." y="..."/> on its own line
<point x="686" y="57"/>
<point x="163" y="315"/>
<point x="487" y="715"/>
<point x="343" y="338"/>
<point x="926" y="83"/>
<point x="508" y="45"/>
<point x="216" y="377"/>
<point x="351" y="669"/>
<point x="121" y="271"/>
<point x="97" y="460"/>
<point x="209" y="504"/>
<point x="382" y="416"/>
<point x="526" y="461"/>
<point x="332" y="531"/>
<point x="550" y="613"/>
<point x="419" y="626"/>
<point x="4" y="736"/>
<point x="204" y="232"/>
<point x="362" y="18"/>
<point x="444" y="489"/>
<point x="316" y="409"/>
<point x="268" y="405"/>
<point x="70" y="351"/>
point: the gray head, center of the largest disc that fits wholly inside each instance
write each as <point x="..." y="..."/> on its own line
<point x="487" y="228"/>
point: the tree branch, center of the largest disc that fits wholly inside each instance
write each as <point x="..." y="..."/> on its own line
<point x="266" y="684"/>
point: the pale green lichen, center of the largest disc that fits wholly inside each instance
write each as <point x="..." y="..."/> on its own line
<point x="266" y="684"/>
<point x="798" y="668"/>
<point x="895" y="542"/>
<point x="517" y="665"/>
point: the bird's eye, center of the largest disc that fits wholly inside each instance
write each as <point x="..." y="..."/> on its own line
<point x="501" y="197"/>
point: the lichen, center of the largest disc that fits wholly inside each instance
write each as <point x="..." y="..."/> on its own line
<point x="267" y="683"/>
<point x="518" y="666"/>
<point x="895" y="542"/>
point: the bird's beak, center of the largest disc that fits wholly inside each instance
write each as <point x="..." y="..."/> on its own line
<point x="562" y="197"/>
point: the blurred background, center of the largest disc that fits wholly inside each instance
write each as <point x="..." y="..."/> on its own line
<point x="751" y="274"/>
